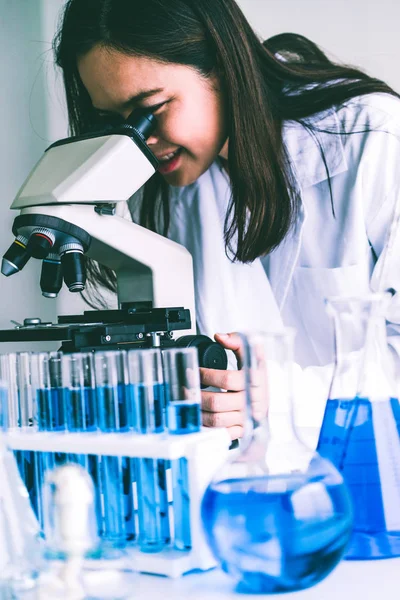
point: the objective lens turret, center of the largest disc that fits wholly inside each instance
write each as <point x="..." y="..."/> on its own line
<point x="41" y="242"/>
<point x="51" y="278"/>
<point x="16" y="257"/>
<point x="73" y="266"/>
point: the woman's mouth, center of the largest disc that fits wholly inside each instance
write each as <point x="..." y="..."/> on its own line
<point x="169" y="162"/>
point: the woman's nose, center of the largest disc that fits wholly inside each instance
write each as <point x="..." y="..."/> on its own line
<point x="153" y="139"/>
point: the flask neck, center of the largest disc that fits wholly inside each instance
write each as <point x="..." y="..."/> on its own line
<point x="363" y="362"/>
<point x="278" y="423"/>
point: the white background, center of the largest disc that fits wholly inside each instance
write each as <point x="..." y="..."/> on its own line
<point x="32" y="112"/>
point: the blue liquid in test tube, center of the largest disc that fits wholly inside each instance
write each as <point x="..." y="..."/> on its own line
<point x="22" y="414"/>
<point x="3" y="407"/>
<point x="183" y="396"/>
<point x="146" y="378"/>
<point x="50" y="413"/>
<point x="79" y="394"/>
<point x="114" y="400"/>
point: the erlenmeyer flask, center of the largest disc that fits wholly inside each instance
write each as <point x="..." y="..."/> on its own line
<point x="360" y="430"/>
<point x="277" y="516"/>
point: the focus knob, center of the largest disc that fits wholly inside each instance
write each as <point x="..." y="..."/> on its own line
<point x="211" y="354"/>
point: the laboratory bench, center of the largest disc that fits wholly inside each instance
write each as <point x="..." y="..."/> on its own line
<point x="351" y="580"/>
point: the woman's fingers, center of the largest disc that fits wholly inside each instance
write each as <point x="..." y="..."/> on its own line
<point x="231" y="341"/>
<point x="225" y="380"/>
<point x="232" y="418"/>
<point x="222" y="401"/>
<point x="236" y="432"/>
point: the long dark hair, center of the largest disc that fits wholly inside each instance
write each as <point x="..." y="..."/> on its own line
<point x="263" y="85"/>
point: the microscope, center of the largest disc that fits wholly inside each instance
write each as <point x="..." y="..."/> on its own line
<point x="67" y="210"/>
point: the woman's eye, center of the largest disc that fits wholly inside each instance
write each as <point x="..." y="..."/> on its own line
<point x="156" y="107"/>
<point x="109" y="119"/>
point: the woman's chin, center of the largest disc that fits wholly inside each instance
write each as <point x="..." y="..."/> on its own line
<point x="182" y="177"/>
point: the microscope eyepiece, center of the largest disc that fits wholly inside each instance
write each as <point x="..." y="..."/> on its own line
<point x="16" y="257"/>
<point x="143" y="121"/>
<point x="73" y="266"/>
<point x="51" y="278"/>
<point x="41" y="242"/>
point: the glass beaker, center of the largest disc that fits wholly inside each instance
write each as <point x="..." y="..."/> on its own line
<point x="277" y="516"/>
<point x="360" y="430"/>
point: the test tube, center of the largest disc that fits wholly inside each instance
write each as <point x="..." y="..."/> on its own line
<point x="182" y="387"/>
<point x="3" y="406"/>
<point x="78" y="384"/>
<point x="46" y="417"/>
<point x="183" y="397"/>
<point x="146" y="379"/>
<point x="117" y="473"/>
<point x="48" y="390"/>
<point x="16" y="373"/>
<point x="9" y="402"/>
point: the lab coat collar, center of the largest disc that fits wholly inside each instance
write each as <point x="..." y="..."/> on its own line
<point x="305" y="146"/>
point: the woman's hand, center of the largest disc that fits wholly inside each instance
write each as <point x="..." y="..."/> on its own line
<point x="224" y="409"/>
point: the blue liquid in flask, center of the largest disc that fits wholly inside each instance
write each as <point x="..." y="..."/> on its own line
<point x="278" y="533"/>
<point x="362" y="440"/>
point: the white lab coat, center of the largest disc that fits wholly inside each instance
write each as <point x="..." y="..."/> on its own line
<point x="351" y="252"/>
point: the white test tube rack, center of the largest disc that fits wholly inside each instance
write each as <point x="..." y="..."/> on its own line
<point x="205" y="452"/>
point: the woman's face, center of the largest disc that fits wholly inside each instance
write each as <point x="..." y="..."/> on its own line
<point x="190" y="130"/>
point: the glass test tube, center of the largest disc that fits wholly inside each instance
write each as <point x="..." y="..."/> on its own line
<point x="3" y="401"/>
<point x="9" y="417"/>
<point x="182" y="389"/>
<point x="16" y="373"/>
<point x="117" y="473"/>
<point x="146" y="379"/>
<point x="50" y="413"/>
<point x="78" y="384"/>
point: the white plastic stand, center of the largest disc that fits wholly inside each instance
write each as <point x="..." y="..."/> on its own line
<point x="205" y="452"/>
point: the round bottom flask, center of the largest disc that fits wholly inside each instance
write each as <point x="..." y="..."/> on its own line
<point x="277" y="516"/>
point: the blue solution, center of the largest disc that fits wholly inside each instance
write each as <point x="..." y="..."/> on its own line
<point x="347" y="438"/>
<point x="270" y="541"/>
<point x="183" y="417"/>
<point x="3" y="409"/>
<point x="50" y="409"/>
<point x="80" y="409"/>
<point x="114" y="405"/>
<point x="154" y="527"/>
<point x="80" y="415"/>
<point x="181" y="504"/>
<point x="154" y="530"/>
<point x="26" y="461"/>
<point x="50" y="417"/>
<point x="140" y="396"/>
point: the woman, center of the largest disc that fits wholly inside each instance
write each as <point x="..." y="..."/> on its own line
<point x="278" y="169"/>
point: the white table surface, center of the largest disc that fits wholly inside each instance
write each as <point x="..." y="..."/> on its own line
<point x="351" y="580"/>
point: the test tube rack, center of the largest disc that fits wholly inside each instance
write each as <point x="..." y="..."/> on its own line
<point x="205" y="452"/>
